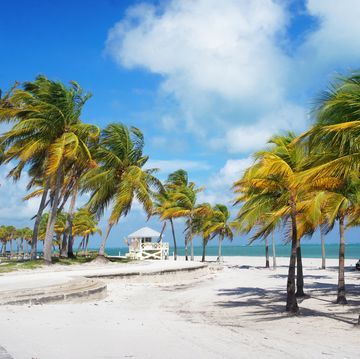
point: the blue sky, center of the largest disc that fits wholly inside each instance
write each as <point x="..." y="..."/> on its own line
<point x="207" y="81"/>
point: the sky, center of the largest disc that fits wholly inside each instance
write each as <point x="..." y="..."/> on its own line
<point x="207" y="81"/>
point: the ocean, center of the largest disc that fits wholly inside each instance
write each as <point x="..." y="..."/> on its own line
<point x="307" y="250"/>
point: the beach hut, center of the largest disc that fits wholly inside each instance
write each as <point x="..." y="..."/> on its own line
<point x="146" y="243"/>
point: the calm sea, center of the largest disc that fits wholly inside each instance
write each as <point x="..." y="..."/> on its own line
<point x="308" y="251"/>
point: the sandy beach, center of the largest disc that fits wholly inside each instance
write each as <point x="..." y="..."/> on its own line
<point x="233" y="311"/>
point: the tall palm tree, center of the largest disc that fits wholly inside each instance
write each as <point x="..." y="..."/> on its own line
<point x="272" y="182"/>
<point x="120" y="177"/>
<point x="48" y="127"/>
<point x="220" y="226"/>
<point x="184" y="194"/>
<point x="163" y="201"/>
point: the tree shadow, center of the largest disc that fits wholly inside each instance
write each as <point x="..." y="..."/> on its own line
<point x="269" y="305"/>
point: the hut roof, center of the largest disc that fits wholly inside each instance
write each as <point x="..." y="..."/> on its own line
<point x="144" y="232"/>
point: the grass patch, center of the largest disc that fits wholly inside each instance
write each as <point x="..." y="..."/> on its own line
<point x="8" y="265"/>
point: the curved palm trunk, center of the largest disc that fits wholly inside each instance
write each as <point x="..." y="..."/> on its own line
<point x="173" y="234"/>
<point x="38" y="219"/>
<point x="52" y="218"/>
<point x="299" y="274"/>
<point x="341" y="298"/>
<point x="203" y="250"/>
<point x="103" y="242"/>
<point x="219" y="258"/>
<point x="82" y="244"/>
<point x="273" y="250"/>
<point x="323" y="253"/>
<point x="186" y="249"/>
<point x="267" y="261"/>
<point x="291" y="302"/>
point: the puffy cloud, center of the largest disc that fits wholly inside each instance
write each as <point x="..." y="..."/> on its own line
<point x="218" y="188"/>
<point x="227" y="66"/>
<point x="14" y="210"/>
<point x="234" y="60"/>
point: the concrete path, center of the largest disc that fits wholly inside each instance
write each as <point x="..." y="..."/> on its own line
<point x="61" y="283"/>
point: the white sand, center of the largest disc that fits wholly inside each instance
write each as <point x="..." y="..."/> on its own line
<point x="233" y="313"/>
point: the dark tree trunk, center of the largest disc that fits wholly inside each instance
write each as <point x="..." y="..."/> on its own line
<point x="38" y="219"/>
<point x="203" y="250"/>
<point x="52" y="217"/>
<point x="299" y="274"/>
<point x="66" y="246"/>
<point x="273" y="250"/>
<point x="291" y="302"/>
<point x="267" y="260"/>
<point x="103" y="243"/>
<point x="86" y="244"/>
<point x="82" y="244"/>
<point x="323" y="253"/>
<point x="186" y="249"/>
<point x="341" y="297"/>
<point x="173" y="234"/>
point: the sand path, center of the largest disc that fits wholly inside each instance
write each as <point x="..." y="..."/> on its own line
<point x="231" y="313"/>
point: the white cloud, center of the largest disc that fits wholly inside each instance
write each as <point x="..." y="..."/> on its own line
<point x="219" y="186"/>
<point x="234" y="60"/>
<point x="14" y="210"/>
<point x="222" y="62"/>
<point x="167" y="166"/>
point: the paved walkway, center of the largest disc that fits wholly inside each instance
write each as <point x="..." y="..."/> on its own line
<point x="59" y="275"/>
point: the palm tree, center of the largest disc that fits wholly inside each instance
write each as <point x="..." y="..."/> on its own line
<point x="184" y="195"/>
<point x="272" y="183"/>
<point x="120" y="177"/>
<point x="163" y="201"/>
<point x="85" y="224"/>
<point x="48" y="127"/>
<point x="220" y="226"/>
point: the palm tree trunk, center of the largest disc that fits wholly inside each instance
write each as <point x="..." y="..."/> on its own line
<point x="219" y="258"/>
<point x="103" y="243"/>
<point x="291" y="302"/>
<point x="66" y="246"/>
<point x="186" y="249"/>
<point x="11" y="248"/>
<point x="86" y="244"/>
<point x="203" y="250"/>
<point x="267" y="261"/>
<point x="38" y="219"/>
<point x="192" y="248"/>
<point x="173" y="234"/>
<point x="82" y="243"/>
<point x="52" y="217"/>
<point x="273" y="250"/>
<point x="299" y="274"/>
<point x="26" y="247"/>
<point x="341" y="298"/>
<point x="323" y="253"/>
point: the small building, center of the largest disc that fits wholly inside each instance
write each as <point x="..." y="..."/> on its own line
<point x="146" y="243"/>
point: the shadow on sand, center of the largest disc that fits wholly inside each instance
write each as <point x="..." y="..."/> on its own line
<point x="269" y="305"/>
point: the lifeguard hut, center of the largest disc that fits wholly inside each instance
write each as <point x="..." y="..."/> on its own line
<point x="146" y="243"/>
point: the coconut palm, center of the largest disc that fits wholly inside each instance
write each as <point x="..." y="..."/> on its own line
<point x="120" y="177"/>
<point x="184" y="195"/>
<point x="163" y="201"/>
<point x="220" y="226"/>
<point x="85" y="225"/>
<point x="272" y="183"/>
<point x="48" y="127"/>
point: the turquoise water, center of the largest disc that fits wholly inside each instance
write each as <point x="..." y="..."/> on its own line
<point x="308" y="251"/>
